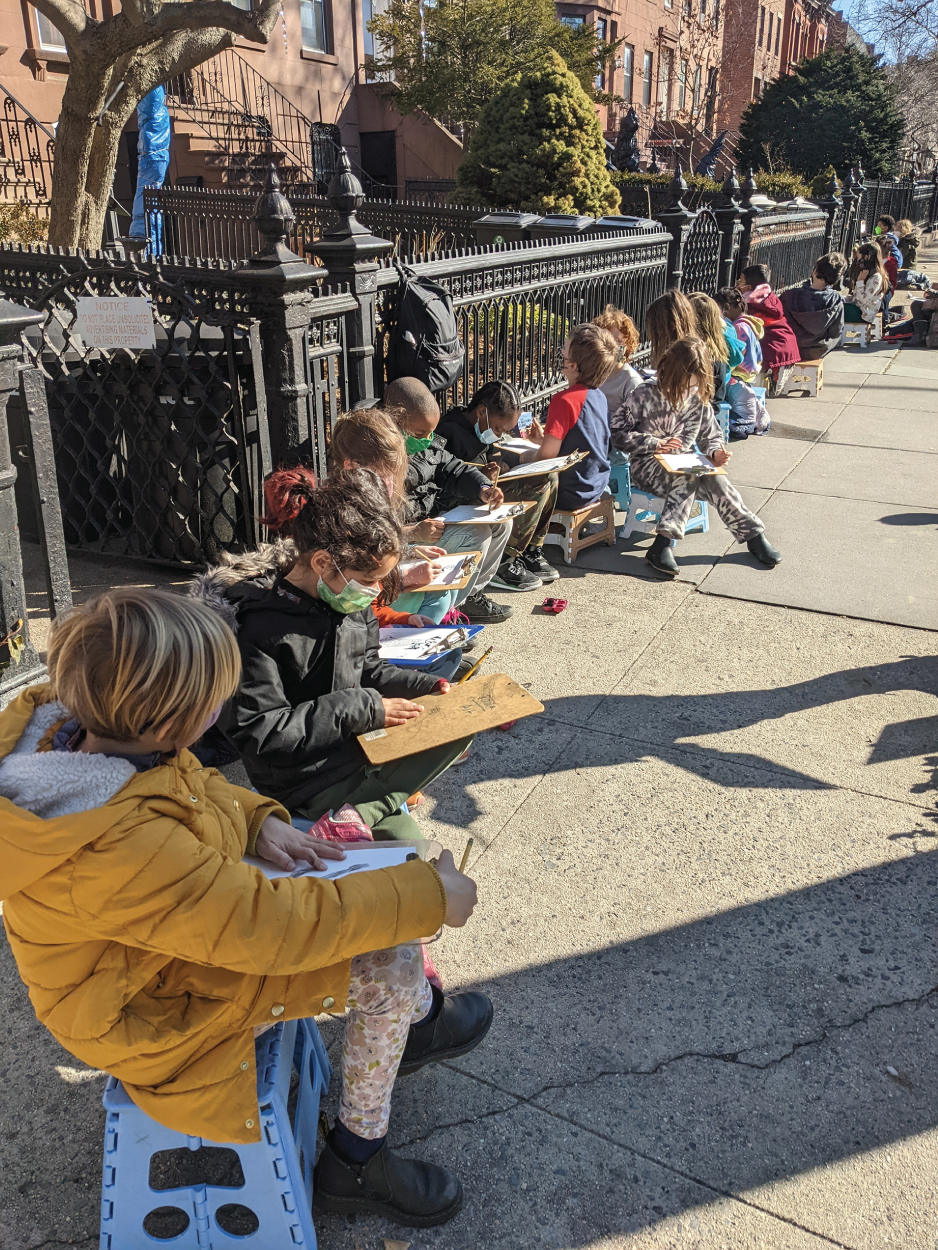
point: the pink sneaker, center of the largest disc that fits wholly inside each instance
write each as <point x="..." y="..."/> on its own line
<point x="345" y="825"/>
<point x="454" y="617"/>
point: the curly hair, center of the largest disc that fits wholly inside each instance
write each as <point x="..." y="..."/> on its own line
<point x="618" y="322"/>
<point x="349" y="516"/>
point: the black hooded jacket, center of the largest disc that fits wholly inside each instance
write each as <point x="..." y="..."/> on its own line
<point x="817" y="318"/>
<point x="437" y="481"/>
<point x="311" y="678"/>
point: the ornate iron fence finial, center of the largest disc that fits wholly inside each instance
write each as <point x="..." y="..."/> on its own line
<point x="274" y="219"/>
<point x="677" y="189"/>
<point x="749" y="187"/>
<point x="730" y="190"/>
<point x="345" y="191"/>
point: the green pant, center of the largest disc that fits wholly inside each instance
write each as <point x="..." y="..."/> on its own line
<point x="529" y="530"/>
<point x="378" y="791"/>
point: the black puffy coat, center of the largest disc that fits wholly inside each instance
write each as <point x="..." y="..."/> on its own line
<point x="311" y="679"/>
<point x="437" y="481"/>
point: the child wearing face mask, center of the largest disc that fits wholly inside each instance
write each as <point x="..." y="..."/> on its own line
<point x="473" y="434"/>
<point x="311" y="679"/>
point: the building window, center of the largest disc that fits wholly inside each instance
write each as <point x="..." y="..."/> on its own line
<point x="697" y="88"/>
<point x="778" y="33"/>
<point x="768" y="42"/>
<point x="575" y="23"/>
<point x="647" y="65"/>
<point x="628" y="67"/>
<point x="711" y="97"/>
<point x="688" y="8"/>
<point x="602" y="26"/>
<point x="315" y="25"/>
<point x="50" y="37"/>
<point x="669" y="4"/>
<point x="756" y="88"/>
<point x="703" y="11"/>
<point x="761" y="24"/>
<point x="665" y="64"/>
<point x="716" y="14"/>
<point x="682" y="86"/>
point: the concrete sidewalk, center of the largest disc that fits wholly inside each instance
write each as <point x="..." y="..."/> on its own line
<point x="707" y="890"/>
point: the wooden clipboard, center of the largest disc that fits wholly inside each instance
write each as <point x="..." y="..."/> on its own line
<point x="460" y="582"/>
<point x="470" y="707"/>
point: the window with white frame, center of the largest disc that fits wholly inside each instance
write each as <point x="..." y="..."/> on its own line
<point x="682" y="85"/>
<point x="602" y="27"/>
<point x="628" y="68"/>
<point x="697" y="76"/>
<point x="314" y="21"/>
<point x="665" y="73"/>
<point x="50" y="37"/>
<point x="647" y="66"/>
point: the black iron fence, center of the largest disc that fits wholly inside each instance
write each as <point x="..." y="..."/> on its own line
<point x="160" y="449"/>
<point x="220" y="223"/>
<point x="917" y="201"/>
<point x="789" y="243"/>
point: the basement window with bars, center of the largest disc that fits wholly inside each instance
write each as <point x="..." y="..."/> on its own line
<point x="315" y="25"/>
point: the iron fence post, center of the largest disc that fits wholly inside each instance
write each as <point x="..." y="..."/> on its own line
<point x="830" y="206"/>
<point x="281" y="289"/>
<point x="677" y="220"/>
<point x="727" y="212"/>
<point x="851" y="198"/>
<point x="749" y="214"/>
<point x="352" y="252"/>
<point x="933" y="211"/>
<point x="20" y="665"/>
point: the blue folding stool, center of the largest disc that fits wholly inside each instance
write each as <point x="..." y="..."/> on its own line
<point x="223" y="1194"/>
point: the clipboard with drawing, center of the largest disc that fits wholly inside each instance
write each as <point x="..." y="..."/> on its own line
<point x="468" y="709"/>
<point x="537" y="468"/>
<point x="457" y="572"/>
<point x="481" y="514"/>
<point x="689" y="463"/>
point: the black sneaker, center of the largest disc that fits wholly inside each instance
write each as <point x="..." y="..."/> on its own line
<point x="407" y="1191"/>
<point x="533" y="560"/>
<point x="482" y="611"/>
<point x="763" y="550"/>
<point x="512" y="575"/>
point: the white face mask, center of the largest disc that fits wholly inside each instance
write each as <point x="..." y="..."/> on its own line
<point x="487" y="435"/>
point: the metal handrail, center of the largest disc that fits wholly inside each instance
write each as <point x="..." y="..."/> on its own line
<point x="35" y="120"/>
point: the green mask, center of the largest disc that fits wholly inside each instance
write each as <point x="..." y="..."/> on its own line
<point x="353" y="597"/>
<point x="415" y="445"/>
<point x="877" y="230"/>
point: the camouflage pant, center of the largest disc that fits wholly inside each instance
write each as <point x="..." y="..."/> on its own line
<point x="529" y="530"/>
<point x="680" y="492"/>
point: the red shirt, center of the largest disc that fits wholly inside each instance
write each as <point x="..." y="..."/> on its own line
<point x="564" y="412"/>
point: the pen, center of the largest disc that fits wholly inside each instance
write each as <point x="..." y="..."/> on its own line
<point x="476" y="665"/>
<point x="465" y="856"/>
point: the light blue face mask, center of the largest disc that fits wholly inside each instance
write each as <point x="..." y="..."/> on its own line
<point x="486" y="436"/>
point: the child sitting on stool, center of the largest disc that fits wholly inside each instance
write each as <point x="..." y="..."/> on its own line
<point x="578" y="418"/>
<point x="153" y="952"/>
<point x="779" y="345"/>
<point x="669" y="416"/>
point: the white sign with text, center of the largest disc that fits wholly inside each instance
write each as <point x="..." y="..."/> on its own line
<point x="118" y="322"/>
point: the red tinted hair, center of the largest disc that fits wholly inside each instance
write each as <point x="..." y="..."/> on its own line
<point x="286" y="492"/>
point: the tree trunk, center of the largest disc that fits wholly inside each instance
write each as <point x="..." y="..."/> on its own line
<point x="100" y="178"/>
<point x="74" y="140"/>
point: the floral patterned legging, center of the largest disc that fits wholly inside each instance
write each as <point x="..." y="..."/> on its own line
<point x="388" y="990"/>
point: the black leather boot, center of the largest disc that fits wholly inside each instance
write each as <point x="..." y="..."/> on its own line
<point x="660" y="556"/>
<point x="408" y="1191"/>
<point x="460" y="1022"/>
<point x="763" y="550"/>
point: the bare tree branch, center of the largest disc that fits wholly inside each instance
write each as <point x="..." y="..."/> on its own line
<point x="217" y="15"/>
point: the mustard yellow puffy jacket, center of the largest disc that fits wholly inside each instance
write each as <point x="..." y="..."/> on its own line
<point x="150" y="949"/>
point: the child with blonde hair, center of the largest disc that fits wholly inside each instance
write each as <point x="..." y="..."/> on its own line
<point x="674" y="414"/>
<point x="153" y="952"/>
<point x="578" y="418"/>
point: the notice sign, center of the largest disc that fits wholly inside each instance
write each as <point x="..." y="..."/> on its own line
<point x="117" y="322"/>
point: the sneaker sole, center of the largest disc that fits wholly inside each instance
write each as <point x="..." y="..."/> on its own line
<point x="489" y="620"/>
<point x="443" y="1056"/>
<point x="330" y="1205"/>
<point x="495" y="584"/>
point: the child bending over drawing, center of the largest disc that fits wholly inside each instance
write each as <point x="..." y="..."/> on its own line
<point x="153" y="952"/>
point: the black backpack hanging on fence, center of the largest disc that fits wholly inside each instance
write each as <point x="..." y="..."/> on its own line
<point x="425" y="342"/>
